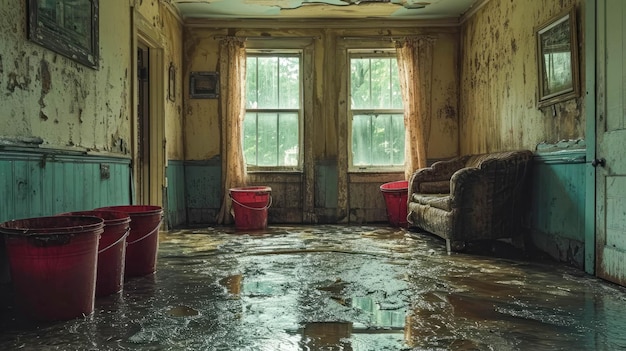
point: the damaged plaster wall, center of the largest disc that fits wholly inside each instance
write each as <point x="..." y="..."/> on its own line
<point x="48" y="97"/>
<point x="499" y="79"/>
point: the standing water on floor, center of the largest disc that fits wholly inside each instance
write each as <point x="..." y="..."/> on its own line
<point x="335" y="288"/>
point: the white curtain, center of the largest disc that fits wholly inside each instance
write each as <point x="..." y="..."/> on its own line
<point x="415" y="62"/>
<point x="232" y="65"/>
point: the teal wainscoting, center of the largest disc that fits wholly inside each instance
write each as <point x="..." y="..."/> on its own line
<point x="326" y="191"/>
<point x="203" y="189"/>
<point x="557" y="213"/>
<point x="176" y="208"/>
<point x="38" y="182"/>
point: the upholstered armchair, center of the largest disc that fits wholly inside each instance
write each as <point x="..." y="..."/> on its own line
<point x="471" y="197"/>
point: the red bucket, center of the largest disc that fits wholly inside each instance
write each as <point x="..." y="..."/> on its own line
<point x="250" y="206"/>
<point x="396" y="195"/>
<point x="53" y="262"/>
<point x="111" y="251"/>
<point x="143" y="240"/>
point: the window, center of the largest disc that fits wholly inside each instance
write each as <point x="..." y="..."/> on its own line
<point x="377" y="116"/>
<point x="271" y="136"/>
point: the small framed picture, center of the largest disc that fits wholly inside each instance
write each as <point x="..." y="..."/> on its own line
<point x="171" y="92"/>
<point x="204" y="85"/>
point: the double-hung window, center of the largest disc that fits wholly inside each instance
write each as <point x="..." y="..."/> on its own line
<point x="272" y="124"/>
<point x="377" y="115"/>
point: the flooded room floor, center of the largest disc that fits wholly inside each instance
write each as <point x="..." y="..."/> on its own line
<point x="333" y="287"/>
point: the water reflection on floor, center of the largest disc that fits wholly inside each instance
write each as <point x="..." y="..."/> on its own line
<point x="336" y="288"/>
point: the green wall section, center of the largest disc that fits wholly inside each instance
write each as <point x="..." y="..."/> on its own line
<point x="557" y="213"/>
<point x="203" y="188"/>
<point x="34" y="183"/>
<point x="176" y="207"/>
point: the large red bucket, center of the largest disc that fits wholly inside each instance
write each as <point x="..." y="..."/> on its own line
<point x="143" y="239"/>
<point x="111" y="250"/>
<point x="53" y="263"/>
<point x="250" y="206"/>
<point x="396" y="195"/>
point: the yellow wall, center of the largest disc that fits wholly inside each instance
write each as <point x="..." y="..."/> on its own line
<point x="48" y="96"/>
<point x="499" y="79"/>
<point x="202" y="137"/>
<point x="45" y="95"/>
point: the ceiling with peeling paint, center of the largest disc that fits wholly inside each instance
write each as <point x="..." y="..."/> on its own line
<point x="320" y="9"/>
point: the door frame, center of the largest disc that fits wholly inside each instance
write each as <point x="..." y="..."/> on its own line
<point x="155" y="183"/>
<point x="590" y="116"/>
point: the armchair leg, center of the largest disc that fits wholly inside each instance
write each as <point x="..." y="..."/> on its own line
<point x="454" y="246"/>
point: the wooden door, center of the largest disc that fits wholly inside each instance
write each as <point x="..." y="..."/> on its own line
<point x="610" y="159"/>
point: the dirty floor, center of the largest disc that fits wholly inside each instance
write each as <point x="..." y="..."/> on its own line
<point x="336" y="288"/>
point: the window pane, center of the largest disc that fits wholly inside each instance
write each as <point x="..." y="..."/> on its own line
<point x="268" y="82"/>
<point x="289" y="89"/>
<point x="360" y="83"/>
<point x="267" y="141"/>
<point x="378" y="140"/>
<point x="288" y="139"/>
<point x="252" y="98"/>
<point x="381" y="83"/>
<point x="249" y="139"/>
<point x="361" y="140"/>
<point x="397" y="139"/>
<point x="396" y="93"/>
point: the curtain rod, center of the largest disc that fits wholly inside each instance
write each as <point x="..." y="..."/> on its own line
<point x="263" y="37"/>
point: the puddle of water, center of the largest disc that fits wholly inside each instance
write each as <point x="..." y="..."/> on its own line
<point x="334" y="288"/>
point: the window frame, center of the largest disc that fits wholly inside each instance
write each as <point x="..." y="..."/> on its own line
<point x="351" y="112"/>
<point x="300" y="110"/>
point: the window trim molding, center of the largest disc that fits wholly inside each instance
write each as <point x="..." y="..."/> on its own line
<point x="377" y="52"/>
<point x="282" y="52"/>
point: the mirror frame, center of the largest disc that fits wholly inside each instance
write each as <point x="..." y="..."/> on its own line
<point x="560" y="30"/>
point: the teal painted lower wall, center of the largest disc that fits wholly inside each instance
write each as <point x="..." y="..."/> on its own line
<point x="176" y="207"/>
<point x="203" y="188"/>
<point x="557" y="211"/>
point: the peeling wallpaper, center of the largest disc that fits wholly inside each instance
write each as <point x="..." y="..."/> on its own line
<point x="498" y="94"/>
<point x="45" y="95"/>
<point x="48" y="98"/>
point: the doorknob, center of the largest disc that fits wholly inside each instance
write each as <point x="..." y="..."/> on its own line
<point x="598" y="162"/>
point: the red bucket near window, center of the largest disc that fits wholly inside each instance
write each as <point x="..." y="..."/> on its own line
<point x="250" y="205"/>
<point x="396" y="196"/>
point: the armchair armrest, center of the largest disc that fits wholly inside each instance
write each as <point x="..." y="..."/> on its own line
<point x="465" y="184"/>
<point x="439" y="172"/>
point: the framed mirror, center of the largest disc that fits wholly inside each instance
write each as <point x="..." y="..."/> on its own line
<point x="557" y="59"/>
<point x="68" y="27"/>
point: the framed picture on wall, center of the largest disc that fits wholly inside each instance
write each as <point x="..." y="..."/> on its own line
<point x="557" y="59"/>
<point x="68" y="27"/>
<point x="204" y="85"/>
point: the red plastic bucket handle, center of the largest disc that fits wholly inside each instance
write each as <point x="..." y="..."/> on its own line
<point x="156" y="229"/>
<point x="269" y="203"/>
<point x="117" y="242"/>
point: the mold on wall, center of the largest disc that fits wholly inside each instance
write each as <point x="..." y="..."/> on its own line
<point x="498" y="92"/>
<point x="48" y="96"/>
